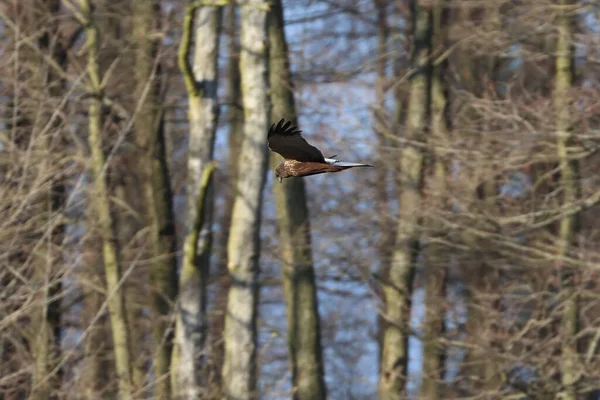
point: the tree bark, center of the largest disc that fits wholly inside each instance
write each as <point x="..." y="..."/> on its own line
<point x="235" y="121"/>
<point x="568" y="225"/>
<point x="298" y="276"/>
<point x="379" y="116"/>
<point x="201" y="85"/>
<point x="435" y="268"/>
<point x="385" y="222"/>
<point x="101" y="204"/>
<point x="481" y="278"/>
<point x="126" y="189"/>
<point x="94" y="379"/>
<point x="185" y="385"/>
<point x="153" y="174"/>
<point x="397" y="288"/>
<point x="243" y="248"/>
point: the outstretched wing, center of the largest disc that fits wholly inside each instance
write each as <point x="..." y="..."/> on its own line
<point x="289" y="143"/>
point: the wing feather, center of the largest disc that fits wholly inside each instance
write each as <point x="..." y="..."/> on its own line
<point x="287" y="141"/>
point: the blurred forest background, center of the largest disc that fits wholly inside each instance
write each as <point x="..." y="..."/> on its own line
<point x="145" y="252"/>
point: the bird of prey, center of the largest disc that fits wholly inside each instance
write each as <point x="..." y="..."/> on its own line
<point x="300" y="158"/>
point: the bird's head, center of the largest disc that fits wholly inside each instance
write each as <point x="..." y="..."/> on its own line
<point x="281" y="172"/>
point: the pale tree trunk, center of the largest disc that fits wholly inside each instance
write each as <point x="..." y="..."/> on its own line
<point x="435" y="268"/>
<point x="124" y="186"/>
<point x="300" y="291"/>
<point x="386" y="229"/>
<point x="101" y="205"/>
<point x="157" y="197"/>
<point x="201" y="85"/>
<point x="235" y="121"/>
<point x="243" y="248"/>
<point x="398" y="287"/>
<point x="385" y="223"/>
<point x="569" y="225"/>
<point x="185" y="386"/>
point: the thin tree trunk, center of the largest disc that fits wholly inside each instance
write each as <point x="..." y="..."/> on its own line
<point x="385" y="223"/>
<point x="94" y="380"/>
<point x="157" y="196"/>
<point x="235" y="121"/>
<point x="435" y="268"/>
<point x="569" y="225"/>
<point x="126" y="189"/>
<point x="101" y="204"/>
<point x="304" y="331"/>
<point x="122" y="182"/>
<point x="397" y="288"/>
<point x="201" y="85"/>
<point x="481" y="278"/>
<point x="45" y="329"/>
<point x="181" y="384"/>
<point x="243" y="248"/>
<point x="379" y="116"/>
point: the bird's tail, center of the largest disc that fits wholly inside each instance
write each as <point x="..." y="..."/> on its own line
<point x="351" y="164"/>
<point x="347" y="164"/>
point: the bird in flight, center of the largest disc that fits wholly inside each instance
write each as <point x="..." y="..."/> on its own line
<point x="300" y="158"/>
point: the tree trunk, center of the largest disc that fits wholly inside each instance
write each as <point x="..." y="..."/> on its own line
<point x="94" y="379"/>
<point x="435" y="268"/>
<point x="569" y="225"/>
<point x="379" y="116"/>
<point x="304" y="332"/>
<point x="385" y="223"/>
<point x="153" y="174"/>
<point x="235" y="121"/>
<point x="398" y="287"/>
<point x="101" y="204"/>
<point x="201" y="85"/>
<point x="126" y="189"/>
<point x="243" y="248"/>
<point x="185" y="385"/>
<point x="481" y="278"/>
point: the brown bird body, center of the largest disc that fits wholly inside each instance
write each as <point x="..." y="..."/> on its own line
<point x="296" y="168"/>
<point x="300" y="158"/>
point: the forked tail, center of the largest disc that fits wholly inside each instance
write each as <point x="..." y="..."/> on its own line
<point x="337" y="163"/>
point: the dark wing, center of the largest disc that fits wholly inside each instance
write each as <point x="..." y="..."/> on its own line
<point x="289" y="143"/>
